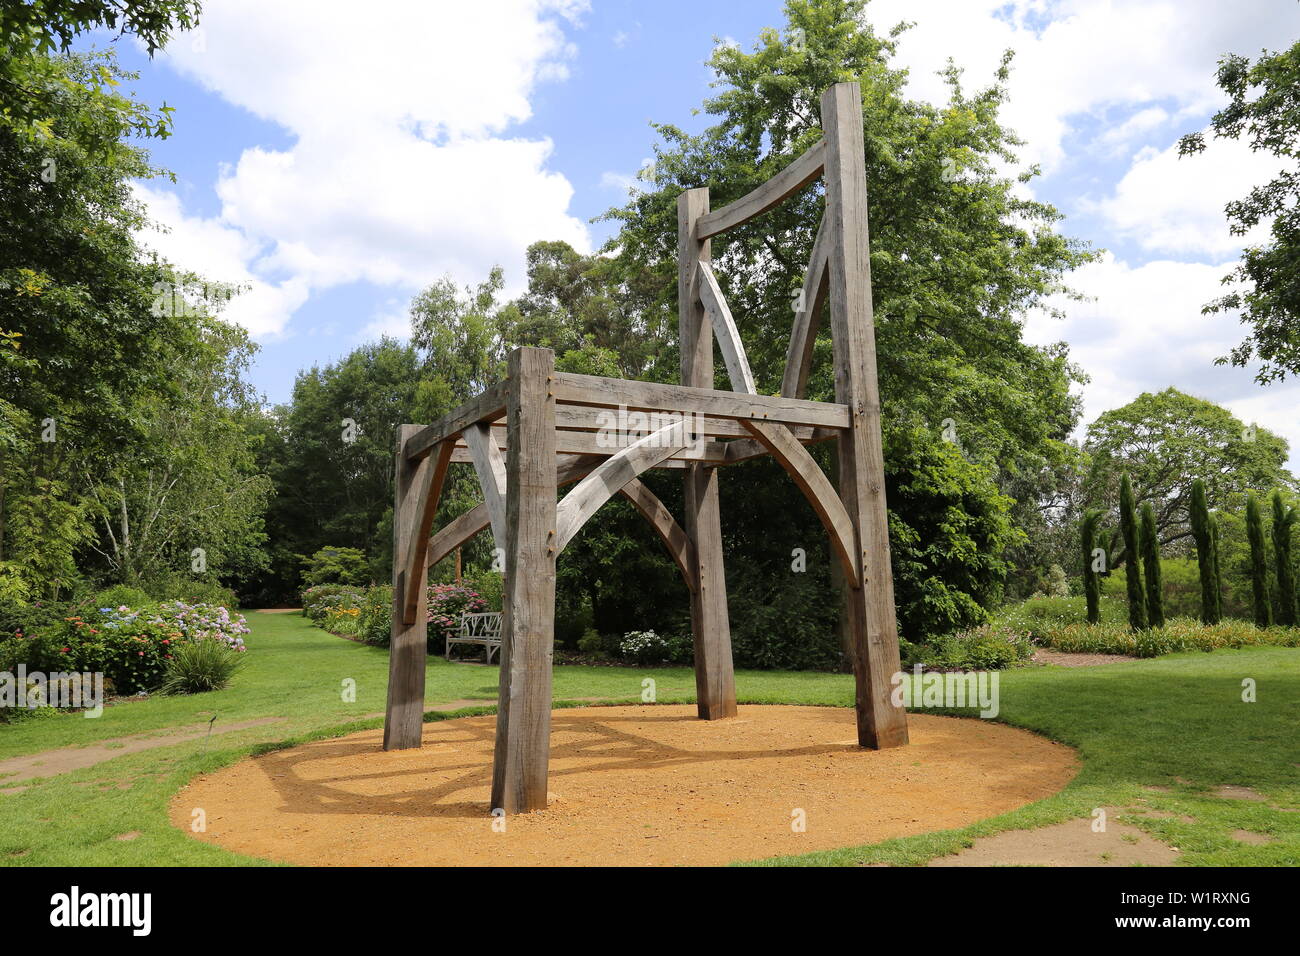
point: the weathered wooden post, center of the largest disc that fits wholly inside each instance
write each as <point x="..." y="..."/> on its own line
<point x="404" y="715"/>
<point x="871" y="616"/>
<point x="715" y="685"/>
<point x="528" y="603"/>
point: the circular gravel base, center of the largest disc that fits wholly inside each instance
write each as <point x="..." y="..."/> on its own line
<point x="641" y="785"/>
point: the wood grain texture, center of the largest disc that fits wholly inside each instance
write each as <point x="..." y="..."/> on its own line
<point x="725" y="331"/>
<point x="404" y="710"/>
<point x="706" y="400"/>
<point x="491" y="470"/>
<point x="872" y="620"/>
<point x="428" y="491"/>
<point x="715" y="685"/>
<point x="486" y="407"/>
<point x="772" y="193"/>
<point x="522" y="751"/>
<point x="595" y="443"/>
<point x="803" y="334"/>
<point x="606" y="479"/>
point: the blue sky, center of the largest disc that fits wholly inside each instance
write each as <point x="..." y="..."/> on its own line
<point x="340" y="165"/>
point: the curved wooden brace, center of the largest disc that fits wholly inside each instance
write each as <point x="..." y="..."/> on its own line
<point x="724" y="330"/>
<point x="803" y="335"/>
<point x="773" y="192"/>
<point x="431" y="473"/>
<point x="661" y="519"/>
<point x="610" y="476"/>
<point x="816" y="487"/>
<point x="491" y="469"/>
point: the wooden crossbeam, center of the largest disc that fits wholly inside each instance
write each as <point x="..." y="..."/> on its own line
<point x="614" y="392"/>
<point x="486" y="407"/>
<point x="725" y="331"/>
<point x="591" y="443"/>
<point x="772" y="193"/>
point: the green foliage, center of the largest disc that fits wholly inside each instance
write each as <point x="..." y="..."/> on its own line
<point x="1178" y="634"/>
<point x="333" y="565"/>
<point x="31" y="87"/>
<point x="200" y="667"/>
<point x="1088" y="533"/>
<point x="1165" y="442"/>
<point x="1265" y="284"/>
<point x="1258" y="564"/>
<point x="646" y="648"/>
<point x="1137" y="608"/>
<point x="949" y="530"/>
<point x="987" y="647"/>
<point x="132" y="648"/>
<point x="1284" y="520"/>
<point x="1204" y="530"/>
<point x="375" y="619"/>
<point x="1149" y="545"/>
<point x="120" y="595"/>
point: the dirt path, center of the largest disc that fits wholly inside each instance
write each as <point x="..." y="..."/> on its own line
<point x="51" y="763"/>
<point x="638" y="785"/>
<point x="1045" y="655"/>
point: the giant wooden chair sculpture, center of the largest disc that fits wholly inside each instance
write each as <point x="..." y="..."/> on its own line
<point x="550" y="438"/>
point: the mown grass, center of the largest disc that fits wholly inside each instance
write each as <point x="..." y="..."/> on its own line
<point x="1176" y="722"/>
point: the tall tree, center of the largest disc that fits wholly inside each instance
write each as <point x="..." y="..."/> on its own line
<point x="1167" y="440"/>
<point x="1203" y="531"/>
<point x="1258" y="563"/>
<point x="1264" y="111"/>
<point x="1089" y="531"/>
<point x="1284" y="519"/>
<point x="1150" y="546"/>
<point x="949" y="340"/>
<point x="1137" y="604"/>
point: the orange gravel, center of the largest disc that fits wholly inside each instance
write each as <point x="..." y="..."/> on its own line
<point x="640" y="785"/>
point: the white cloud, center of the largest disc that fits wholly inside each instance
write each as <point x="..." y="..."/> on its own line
<point x="1083" y="56"/>
<point x="220" y="254"/>
<point x="1144" y="332"/>
<point x="401" y="170"/>
<point x="1168" y="203"/>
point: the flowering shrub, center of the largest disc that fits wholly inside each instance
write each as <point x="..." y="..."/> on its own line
<point x="446" y="603"/>
<point x="647" y="647"/>
<point x="132" y="648"/>
<point x="318" y="601"/>
<point x="367" y="613"/>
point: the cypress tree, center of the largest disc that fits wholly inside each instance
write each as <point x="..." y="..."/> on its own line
<point x="1258" y="563"/>
<point x="1206" y="553"/>
<point x="1150" y="545"/>
<point x="1284" y="520"/>
<point x="1137" y="602"/>
<point x="1217" y="593"/>
<point x="1091" y="578"/>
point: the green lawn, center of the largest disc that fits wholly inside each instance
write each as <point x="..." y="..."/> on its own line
<point x="1176" y="722"/>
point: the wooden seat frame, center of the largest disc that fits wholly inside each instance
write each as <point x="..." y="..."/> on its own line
<point x="549" y="425"/>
